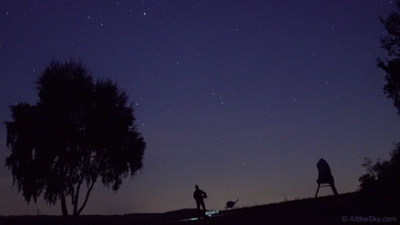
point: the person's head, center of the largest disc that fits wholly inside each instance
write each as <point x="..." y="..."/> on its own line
<point x="197" y="187"/>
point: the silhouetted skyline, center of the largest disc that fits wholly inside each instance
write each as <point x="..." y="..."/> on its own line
<point x="240" y="98"/>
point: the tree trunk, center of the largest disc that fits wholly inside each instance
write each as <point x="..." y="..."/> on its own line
<point x="86" y="198"/>
<point x="76" y="199"/>
<point x="64" y="206"/>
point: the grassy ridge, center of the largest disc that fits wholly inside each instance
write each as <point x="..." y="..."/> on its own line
<point x="323" y="210"/>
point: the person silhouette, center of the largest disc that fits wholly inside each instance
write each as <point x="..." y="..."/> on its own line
<point x="325" y="176"/>
<point x="199" y="195"/>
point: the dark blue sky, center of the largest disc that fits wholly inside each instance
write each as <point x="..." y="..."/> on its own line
<point x="240" y="97"/>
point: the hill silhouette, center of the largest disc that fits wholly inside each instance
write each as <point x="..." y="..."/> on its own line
<point x="350" y="207"/>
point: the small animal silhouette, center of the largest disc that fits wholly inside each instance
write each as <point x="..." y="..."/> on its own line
<point x="230" y="204"/>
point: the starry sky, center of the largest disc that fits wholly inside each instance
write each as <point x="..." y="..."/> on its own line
<point x="239" y="97"/>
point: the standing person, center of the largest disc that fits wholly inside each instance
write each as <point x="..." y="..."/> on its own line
<point x="199" y="195"/>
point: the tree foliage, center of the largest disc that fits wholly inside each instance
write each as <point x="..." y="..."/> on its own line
<point x="391" y="64"/>
<point x="385" y="176"/>
<point x="78" y="132"/>
<point x="382" y="176"/>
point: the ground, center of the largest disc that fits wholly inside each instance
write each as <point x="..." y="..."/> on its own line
<point x="350" y="208"/>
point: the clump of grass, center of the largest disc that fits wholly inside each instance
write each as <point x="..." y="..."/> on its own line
<point x="284" y="196"/>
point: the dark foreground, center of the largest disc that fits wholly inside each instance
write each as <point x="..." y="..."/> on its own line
<point x="351" y="208"/>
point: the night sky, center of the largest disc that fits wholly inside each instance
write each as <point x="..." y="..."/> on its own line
<point x="239" y="97"/>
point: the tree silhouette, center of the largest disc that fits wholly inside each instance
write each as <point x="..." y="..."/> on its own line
<point x="382" y="176"/>
<point x="391" y="64"/>
<point x="385" y="176"/>
<point x="79" y="131"/>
